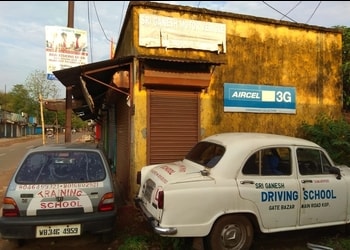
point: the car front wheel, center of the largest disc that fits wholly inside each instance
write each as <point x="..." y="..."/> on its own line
<point x="230" y="232"/>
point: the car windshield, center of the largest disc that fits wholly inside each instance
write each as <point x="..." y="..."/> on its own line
<point x="207" y="154"/>
<point x="61" y="167"/>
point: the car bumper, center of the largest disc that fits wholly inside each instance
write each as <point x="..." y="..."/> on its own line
<point x="24" y="227"/>
<point x="154" y="223"/>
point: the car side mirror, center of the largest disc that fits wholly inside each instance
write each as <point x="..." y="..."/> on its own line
<point x="335" y="170"/>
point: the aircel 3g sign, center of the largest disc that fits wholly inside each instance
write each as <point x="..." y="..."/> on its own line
<point x="258" y="98"/>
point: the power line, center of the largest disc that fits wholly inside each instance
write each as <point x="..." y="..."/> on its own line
<point x="120" y="24"/>
<point x="99" y="22"/>
<point x="313" y="12"/>
<point x="279" y="11"/>
<point x="121" y="19"/>
<point x="291" y="10"/>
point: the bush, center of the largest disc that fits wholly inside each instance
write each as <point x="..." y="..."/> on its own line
<point x="332" y="135"/>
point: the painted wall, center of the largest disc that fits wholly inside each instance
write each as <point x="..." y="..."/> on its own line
<point x="307" y="59"/>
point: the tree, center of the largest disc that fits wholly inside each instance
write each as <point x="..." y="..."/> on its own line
<point x="346" y="67"/>
<point x="4" y="100"/>
<point x="78" y="123"/>
<point x="20" y="101"/>
<point x="36" y="84"/>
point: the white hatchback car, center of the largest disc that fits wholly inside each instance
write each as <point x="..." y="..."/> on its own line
<point x="231" y="185"/>
<point x="60" y="190"/>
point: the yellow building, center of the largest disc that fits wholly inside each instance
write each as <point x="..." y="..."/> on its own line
<point x="180" y="74"/>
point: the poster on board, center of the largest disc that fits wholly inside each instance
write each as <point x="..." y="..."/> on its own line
<point x="65" y="48"/>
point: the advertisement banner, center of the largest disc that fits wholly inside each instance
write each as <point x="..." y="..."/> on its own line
<point x="259" y="98"/>
<point x="65" y="48"/>
<point x="170" y="32"/>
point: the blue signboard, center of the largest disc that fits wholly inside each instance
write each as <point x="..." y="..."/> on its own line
<point x="259" y="98"/>
<point x="51" y="77"/>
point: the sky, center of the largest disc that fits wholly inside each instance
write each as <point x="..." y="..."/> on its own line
<point x="22" y="27"/>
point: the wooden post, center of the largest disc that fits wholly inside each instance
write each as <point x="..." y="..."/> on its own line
<point x="42" y="118"/>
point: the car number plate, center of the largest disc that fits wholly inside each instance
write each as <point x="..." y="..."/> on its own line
<point x="57" y="230"/>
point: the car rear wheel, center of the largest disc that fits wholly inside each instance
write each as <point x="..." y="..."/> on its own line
<point x="230" y="232"/>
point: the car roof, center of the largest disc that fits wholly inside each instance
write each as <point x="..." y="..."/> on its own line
<point x="66" y="146"/>
<point x="243" y="139"/>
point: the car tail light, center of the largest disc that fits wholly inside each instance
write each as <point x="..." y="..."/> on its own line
<point x="9" y="208"/>
<point x="107" y="203"/>
<point x="160" y="199"/>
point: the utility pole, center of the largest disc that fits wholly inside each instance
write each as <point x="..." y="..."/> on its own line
<point x="68" y="130"/>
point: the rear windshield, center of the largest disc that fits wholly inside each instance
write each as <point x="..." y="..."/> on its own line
<point x="206" y="153"/>
<point x="61" y="167"/>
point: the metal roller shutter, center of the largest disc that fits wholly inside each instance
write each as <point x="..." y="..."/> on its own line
<point x="173" y="124"/>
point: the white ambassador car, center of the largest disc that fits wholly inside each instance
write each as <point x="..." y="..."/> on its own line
<point x="60" y="190"/>
<point x="231" y="185"/>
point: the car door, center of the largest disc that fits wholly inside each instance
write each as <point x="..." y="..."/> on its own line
<point x="274" y="197"/>
<point x="324" y="197"/>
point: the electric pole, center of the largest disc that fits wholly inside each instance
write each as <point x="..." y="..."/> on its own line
<point x="68" y="130"/>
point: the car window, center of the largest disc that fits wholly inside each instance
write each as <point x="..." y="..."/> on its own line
<point x="269" y="161"/>
<point x="61" y="167"/>
<point x="206" y="153"/>
<point x="312" y="161"/>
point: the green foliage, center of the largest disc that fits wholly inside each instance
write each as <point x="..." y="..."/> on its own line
<point x="25" y="98"/>
<point x="338" y="242"/>
<point x="78" y="123"/>
<point x="346" y="66"/>
<point x="153" y="241"/>
<point x="18" y="100"/>
<point x="135" y="243"/>
<point x="4" y="100"/>
<point x="332" y="135"/>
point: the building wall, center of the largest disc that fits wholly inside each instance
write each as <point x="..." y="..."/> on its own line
<point x="138" y="146"/>
<point x="307" y="59"/>
<point x="259" y="51"/>
<point x="126" y="40"/>
<point x="263" y="51"/>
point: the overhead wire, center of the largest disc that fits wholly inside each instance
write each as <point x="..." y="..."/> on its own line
<point x="279" y="11"/>
<point x="99" y="22"/>
<point x="121" y="19"/>
<point x="284" y="15"/>
<point x="308" y="20"/>
<point x="101" y="26"/>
